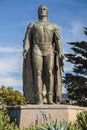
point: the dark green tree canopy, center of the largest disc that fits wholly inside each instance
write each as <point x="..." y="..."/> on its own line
<point x="76" y="82"/>
<point x="79" y="57"/>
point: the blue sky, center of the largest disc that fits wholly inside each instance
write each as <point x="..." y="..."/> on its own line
<point x="69" y="15"/>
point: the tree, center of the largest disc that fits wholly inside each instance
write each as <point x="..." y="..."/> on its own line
<point x="12" y="97"/>
<point x="76" y="82"/>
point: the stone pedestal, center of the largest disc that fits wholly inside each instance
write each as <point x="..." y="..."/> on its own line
<point x="39" y="114"/>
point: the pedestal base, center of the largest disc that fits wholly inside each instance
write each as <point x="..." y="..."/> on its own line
<point x="39" y="114"/>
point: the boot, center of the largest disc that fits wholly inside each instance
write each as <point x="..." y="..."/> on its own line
<point x="39" y="98"/>
<point x="50" y="98"/>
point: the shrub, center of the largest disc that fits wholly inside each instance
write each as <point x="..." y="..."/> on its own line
<point x="73" y="126"/>
<point x="82" y="120"/>
<point x="55" y="125"/>
<point x="12" y="97"/>
<point x="5" y="122"/>
<point x="31" y="127"/>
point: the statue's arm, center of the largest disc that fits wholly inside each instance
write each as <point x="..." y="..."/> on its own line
<point x="57" y="40"/>
<point x="58" y="45"/>
<point x="27" y="40"/>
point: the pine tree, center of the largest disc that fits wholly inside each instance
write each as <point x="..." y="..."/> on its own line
<point x="76" y="82"/>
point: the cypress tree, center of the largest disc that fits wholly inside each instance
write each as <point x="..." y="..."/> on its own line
<point x="76" y="82"/>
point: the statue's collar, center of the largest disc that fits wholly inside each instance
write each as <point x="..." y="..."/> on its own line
<point x="43" y="23"/>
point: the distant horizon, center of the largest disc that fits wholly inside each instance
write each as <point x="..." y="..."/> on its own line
<point x="69" y="15"/>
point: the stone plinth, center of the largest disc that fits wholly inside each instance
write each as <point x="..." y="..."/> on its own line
<point x="39" y="114"/>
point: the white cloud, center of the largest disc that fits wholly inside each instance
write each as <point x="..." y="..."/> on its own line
<point x="10" y="50"/>
<point x="77" y="31"/>
<point x="11" y="81"/>
<point x="10" y="61"/>
<point x="74" y="32"/>
<point x="11" y="66"/>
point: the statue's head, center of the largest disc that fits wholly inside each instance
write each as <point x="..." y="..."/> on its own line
<point x="42" y="11"/>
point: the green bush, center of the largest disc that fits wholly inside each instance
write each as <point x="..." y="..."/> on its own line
<point x="5" y="122"/>
<point x="12" y="97"/>
<point x="73" y="126"/>
<point x="31" y="127"/>
<point x="55" y="125"/>
<point x="82" y="120"/>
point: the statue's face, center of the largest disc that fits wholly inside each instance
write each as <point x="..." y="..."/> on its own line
<point x="43" y="11"/>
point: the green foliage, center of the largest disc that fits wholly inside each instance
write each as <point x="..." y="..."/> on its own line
<point x="73" y="126"/>
<point x="76" y="87"/>
<point x="76" y="81"/>
<point x="55" y="125"/>
<point x="5" y="122"/>
<point x="85" y="31"/>
<point x="10" y="97"/>
<point x="82" y="120"/>
<point x="80" y="123"/>
<point x="31" y="127"/>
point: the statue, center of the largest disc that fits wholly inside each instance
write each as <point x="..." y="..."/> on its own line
<point x="43" y="60"/>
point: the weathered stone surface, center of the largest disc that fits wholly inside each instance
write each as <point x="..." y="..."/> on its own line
<point x="39" y="114"/>
<point x="43" y="60"/>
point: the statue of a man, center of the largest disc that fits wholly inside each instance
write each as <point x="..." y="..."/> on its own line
<point x="42" y="39"/>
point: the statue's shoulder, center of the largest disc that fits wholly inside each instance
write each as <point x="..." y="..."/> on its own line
<point x="55" y="26"/>
<point x="30" y="25"/>
<point x="33" y="24"/>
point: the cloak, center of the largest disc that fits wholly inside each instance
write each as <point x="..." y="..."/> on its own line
<point x="28" y="69"/>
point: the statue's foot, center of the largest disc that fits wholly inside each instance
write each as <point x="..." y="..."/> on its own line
<point x="50" y="102"/>
<point x="50" y="98"/>
<point x="58" y="103"/>
<point x="39" y="102"/>
<point x="39" y="98"/>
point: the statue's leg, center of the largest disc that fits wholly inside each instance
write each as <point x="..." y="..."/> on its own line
<point x="49" y="63"/>
<point x="38" y="63"/>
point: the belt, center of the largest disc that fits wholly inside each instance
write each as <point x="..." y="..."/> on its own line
<point x="43" y="43"/>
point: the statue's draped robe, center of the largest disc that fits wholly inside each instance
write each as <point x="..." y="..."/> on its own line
<point x="29" y="88"/>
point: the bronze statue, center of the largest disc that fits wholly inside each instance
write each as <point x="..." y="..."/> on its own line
<point x="42" y="60"/>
